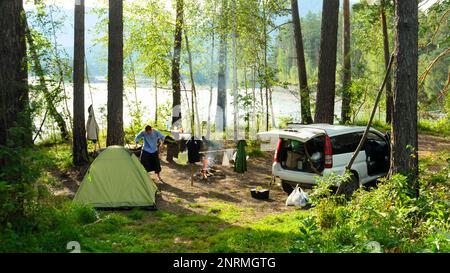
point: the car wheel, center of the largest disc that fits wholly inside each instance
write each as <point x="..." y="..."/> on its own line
<point x="351" y="186"/>
<point x="287" y="187"/>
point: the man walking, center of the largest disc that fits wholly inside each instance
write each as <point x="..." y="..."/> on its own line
<point x="153" y="140"/>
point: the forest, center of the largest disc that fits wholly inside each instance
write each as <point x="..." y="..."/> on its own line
<point x="79" y="79"/>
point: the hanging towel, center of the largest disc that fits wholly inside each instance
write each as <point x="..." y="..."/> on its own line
<point x="240" y="165"/>
<point x="225" y="160"/>
<point x="92" y="128"/>
<point x="193" y="146"/>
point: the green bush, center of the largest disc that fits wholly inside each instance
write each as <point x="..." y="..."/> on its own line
<point x="388" y="215"/>
<point x="440" y="127"/>
<point x="284" y="120"/>
<point x="47" y="229"/>
<point x="254" y="149"/>
<point x="17" y="177"/>
<point x="85" y="214"/>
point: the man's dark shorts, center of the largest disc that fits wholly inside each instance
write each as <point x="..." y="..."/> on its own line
<point x="151" y="161"/>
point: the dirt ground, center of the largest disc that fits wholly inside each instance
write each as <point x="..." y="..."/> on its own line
<point x="431" y="144"/>
<point x="177" y="195"/>
<point x="233" y="188"/>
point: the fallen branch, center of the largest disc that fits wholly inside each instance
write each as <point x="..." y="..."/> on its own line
<point x="279" y="26"/>
<point x="430" y="66"/>
<point x="444" y="90"/>
<point x="437" y="28"/>
<point x="40" y="127"/>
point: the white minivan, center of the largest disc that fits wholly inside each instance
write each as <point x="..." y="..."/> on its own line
<point x="304" y="152"/>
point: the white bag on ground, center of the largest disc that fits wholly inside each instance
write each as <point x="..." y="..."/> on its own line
<point x="297" y="197"/>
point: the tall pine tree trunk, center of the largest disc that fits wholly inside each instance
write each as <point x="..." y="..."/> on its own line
<point x="327" y="63"/>
<point x="176" y="78"/>
<point x="404" y="139"/>
<point x="221" y="112"/>
<point x="302" y="77"/>
<point x="79" y="148"/>
<point x="386" y="61"/>
<point x="115" y="74"/>
<point x="347" y="71"/>
<point x="13" y="76"/>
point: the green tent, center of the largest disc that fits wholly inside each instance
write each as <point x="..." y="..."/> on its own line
<point x="116" y="179"/>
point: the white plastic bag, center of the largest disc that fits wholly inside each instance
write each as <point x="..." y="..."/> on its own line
<point x="297" y="198"/>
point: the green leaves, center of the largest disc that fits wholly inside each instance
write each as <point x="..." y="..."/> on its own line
<point x="387" y="215"/>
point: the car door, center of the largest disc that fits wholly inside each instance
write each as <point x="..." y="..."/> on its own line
<point x="343" y="148"/>
<point x="377" y="154"/>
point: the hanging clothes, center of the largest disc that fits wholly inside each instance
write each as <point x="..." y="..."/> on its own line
<point x="92" y="129"/>
<point x="193" y="146"/>
<point x="240" y="165"/>
<point x="182" y="144"/>
<point x="172" y="148"/>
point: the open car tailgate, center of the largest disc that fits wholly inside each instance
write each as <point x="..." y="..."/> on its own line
<point x="302" y="135"/>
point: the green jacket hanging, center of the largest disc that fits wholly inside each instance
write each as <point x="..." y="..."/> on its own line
<point x="240" y="166"/>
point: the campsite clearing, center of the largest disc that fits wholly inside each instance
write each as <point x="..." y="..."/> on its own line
<point x="176" y="195"/>
<point x="214" y="216"/>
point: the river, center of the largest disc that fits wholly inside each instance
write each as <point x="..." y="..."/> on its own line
<point x="285" y="104"/>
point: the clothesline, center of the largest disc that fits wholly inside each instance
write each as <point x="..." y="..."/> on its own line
<point x="217" y="151"/>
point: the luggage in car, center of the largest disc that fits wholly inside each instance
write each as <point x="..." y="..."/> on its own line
<point x="292" y="160"/>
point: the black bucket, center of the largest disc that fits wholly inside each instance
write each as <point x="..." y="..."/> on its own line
<point x="260" y="194"/>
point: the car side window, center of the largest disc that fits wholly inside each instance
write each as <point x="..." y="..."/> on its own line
<point x="375" y="137"/>
<point x="376" y="144"/>
<point x="345" y="143"/>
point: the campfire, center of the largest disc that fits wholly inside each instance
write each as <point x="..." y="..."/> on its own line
<point x="209" y="171"/>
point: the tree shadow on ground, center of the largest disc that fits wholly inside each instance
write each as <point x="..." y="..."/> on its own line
<point x="188" y="231"/>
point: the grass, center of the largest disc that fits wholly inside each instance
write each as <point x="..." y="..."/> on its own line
<point x="227" y="227"/>
<point x="52" y="222"/>
<point x="254" y="149"/>
<point x="439" y="127"/>
<point x="224" y="228"/>
<point x="219" y="230"/>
